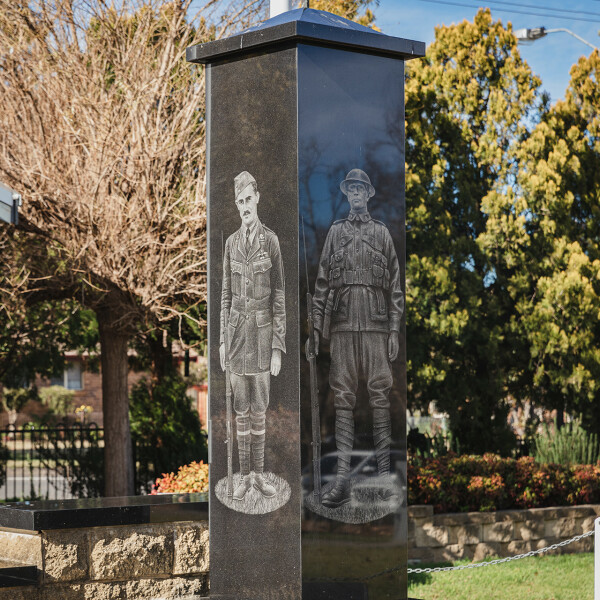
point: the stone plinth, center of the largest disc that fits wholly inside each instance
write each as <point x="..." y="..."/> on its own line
<point x="106" y="548"/>
<point x="166" y="560"/>
<point x="476" y="536"/>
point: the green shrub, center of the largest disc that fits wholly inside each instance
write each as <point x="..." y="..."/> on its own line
<point x="478" y="483"/>
<point x="189" y="479"/>
<point x="569" y="445"/>
<point x="57" y="399"/>
<point x="166" y="430"/>
<point x="427" y="445"/>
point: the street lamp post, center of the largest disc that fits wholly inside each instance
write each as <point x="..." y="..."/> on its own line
<point x="9" y="205"/>
<point x="535" y="33"/>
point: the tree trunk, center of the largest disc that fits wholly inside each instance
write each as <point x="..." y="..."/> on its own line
<point x="161" y="356"/>
<point x="118" y="454"/>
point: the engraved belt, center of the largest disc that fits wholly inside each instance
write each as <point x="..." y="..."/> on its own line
<point x="361" y="277"/>
<point x="246" y="306"/>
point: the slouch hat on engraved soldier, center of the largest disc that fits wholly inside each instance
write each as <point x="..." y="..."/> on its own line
<point x="241" y="181"/>
<point x="357" y="176"/>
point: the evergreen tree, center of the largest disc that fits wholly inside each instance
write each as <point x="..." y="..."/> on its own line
<point x="468" y="103"/>
<point x="548" y="233"/>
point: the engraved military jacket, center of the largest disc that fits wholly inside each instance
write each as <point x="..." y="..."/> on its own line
<point x="358" y="282"/>
<point x="253" y="298"/>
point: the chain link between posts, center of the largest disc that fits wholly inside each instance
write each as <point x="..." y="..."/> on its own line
<point x="504" y="560"/>
<point x="461" y="567"/>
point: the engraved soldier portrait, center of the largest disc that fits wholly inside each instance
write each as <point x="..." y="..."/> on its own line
<point x="252" y="340"/>
<point x="358" y="305"/>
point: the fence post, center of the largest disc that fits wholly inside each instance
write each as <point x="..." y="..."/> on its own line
<point x="597" y="559"/>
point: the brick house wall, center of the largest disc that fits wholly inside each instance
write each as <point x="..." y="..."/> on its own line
<point x="91" y="393"/>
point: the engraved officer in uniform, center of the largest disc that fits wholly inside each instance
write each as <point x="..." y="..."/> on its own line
<point x="358" y="303"/>
<point x="253" y="293"/>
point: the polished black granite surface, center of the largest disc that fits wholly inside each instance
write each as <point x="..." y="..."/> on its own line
<point x="255" y="540"/>
<point x="308" y="26"/>
<point x="334" y="591"/>
<point x="297" y="103"/>
<point x="17" y="575"/>
<point x="102" y="512"/>
<point x="351" y="116"/>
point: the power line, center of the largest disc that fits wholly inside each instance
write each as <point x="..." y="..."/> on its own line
<point x="561" y="10"/>
<point x="506" y="10"/>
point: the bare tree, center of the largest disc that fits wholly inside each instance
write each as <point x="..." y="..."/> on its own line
<point x="102" y="131"/>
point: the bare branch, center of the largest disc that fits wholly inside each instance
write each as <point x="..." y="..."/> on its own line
<point x="102" y="131"/>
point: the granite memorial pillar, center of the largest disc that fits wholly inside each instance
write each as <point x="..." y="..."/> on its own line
<point x="305" y="142"/>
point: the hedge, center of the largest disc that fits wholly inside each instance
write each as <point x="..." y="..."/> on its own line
<point x="483" y="483"/>
<point x="189" y="479"/>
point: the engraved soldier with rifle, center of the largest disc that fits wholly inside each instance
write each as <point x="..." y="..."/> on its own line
<point x="252" y="331"/>
<point x="358" y="304"/>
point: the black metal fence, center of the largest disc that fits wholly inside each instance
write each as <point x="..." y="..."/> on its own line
<point x="59" y="462"/>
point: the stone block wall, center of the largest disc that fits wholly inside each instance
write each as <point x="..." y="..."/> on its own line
<point x="477" y="535"/>
<point x="163" y="560"/>
<point x="170" y="560"/>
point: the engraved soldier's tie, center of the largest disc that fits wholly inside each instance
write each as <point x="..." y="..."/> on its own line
<point x="247" y="241"/>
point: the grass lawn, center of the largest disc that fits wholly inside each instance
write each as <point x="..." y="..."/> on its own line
<point x="566" y="577"/>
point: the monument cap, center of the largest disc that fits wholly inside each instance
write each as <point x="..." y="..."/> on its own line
<point x="357" y="176"/>
<point x="306" y="26"/>
<point x="242" y="180"/>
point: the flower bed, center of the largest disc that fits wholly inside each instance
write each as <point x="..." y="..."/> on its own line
<point x="481" y="483"/>
<point x="192" y="478"/>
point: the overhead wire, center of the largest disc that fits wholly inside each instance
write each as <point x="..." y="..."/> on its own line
<point x="512" y="10"/>
<point x="561" y="10"/>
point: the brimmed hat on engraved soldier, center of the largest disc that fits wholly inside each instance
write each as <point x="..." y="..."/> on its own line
<point x="358" y="305"/>
<point x="357" y="187"/>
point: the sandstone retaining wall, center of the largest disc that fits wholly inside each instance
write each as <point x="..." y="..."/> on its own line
<point x="170" y="560"/>
<point x="163" y="560"/>
<point x="477" y="535"/>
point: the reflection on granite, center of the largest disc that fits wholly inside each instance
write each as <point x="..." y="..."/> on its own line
<point x="350" y="118"/>
<point x="366" y="502"/>
<point x="96" y="512"/>
<point x="15" y="574"/>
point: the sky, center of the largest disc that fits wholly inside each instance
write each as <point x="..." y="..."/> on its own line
<point x="550" y="57"/>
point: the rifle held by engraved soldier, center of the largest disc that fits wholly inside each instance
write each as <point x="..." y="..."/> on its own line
<point x="314" y="389"/>
<point x="228" y="398"/>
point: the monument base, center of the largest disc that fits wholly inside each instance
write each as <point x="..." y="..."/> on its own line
<point x="328" y="590"/>
<point x="254" y="503"/>
<point x="336" y="591"/>
<point x="371" y="498"/>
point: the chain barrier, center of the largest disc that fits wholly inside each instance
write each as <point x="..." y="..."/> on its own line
<point x="460" y="567"/>
<point x="504" y="560"/>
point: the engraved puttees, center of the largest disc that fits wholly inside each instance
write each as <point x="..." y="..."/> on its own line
<point x="252" y="340"/>
<point x="358" y="304"/>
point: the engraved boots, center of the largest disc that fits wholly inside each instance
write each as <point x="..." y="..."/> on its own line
<point x="339" y="494"/>
<point x="243" y="437"/>
<point x="257" y="423"/>
<point x="382" y="438"/>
